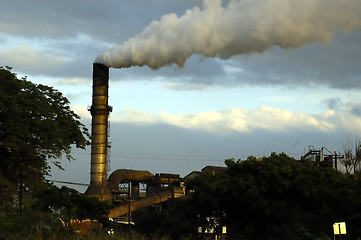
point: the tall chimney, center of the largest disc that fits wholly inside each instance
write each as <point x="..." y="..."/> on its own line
<point x="99" y="144"/>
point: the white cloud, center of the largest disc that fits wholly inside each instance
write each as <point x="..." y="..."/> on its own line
<point x="243" y="120"/>
<point x="25" y="57"/>
<point x="275" y="119"/>
<point x="72" y="81"/>
<point x="82" y="111"/>
<point x="134" y="116"/>
<point x="185" y="86"/>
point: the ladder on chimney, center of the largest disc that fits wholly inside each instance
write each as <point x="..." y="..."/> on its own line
<point x="108" y="148"/>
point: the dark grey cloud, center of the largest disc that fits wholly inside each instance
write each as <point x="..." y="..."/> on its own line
<point x="356" y="109"/>
<point x="108" y="20"/>
<point x="81" y="30"/>
<point x="335" y="65"/>
<point x="332" y="103"/>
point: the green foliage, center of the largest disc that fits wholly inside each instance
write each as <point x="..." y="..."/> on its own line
<point x="173" y="221"/>
<point x="277" y="198"/>
<point x="32" y="225"/>
<point x="69" y="204"/>
<point x="38" y="226"/>
<point x="36" y="124"/>
<point x="50" y="213"/>
<point x="37" y="116"/>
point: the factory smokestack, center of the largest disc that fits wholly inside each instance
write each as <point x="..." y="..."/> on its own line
<point x="238" y="27"/>
<point x="99" y="146"/>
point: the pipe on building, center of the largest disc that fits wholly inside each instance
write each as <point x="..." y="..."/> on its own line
<point x="127" y="175"/>
<point x="99" y="145"/>
<point x="138" y="204"/>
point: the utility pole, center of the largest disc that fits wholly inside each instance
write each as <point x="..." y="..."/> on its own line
<point x="21" y="183"/>
<point x="129" y="199"/>
<point x="21" y="191"/>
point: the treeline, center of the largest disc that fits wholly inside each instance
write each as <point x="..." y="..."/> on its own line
<point x="275" y="198"/>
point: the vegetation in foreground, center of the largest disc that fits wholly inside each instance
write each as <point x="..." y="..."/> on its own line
<point x="276" y="198"/>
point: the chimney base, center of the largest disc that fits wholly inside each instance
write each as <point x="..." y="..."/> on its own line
<point x="100" y="191"/>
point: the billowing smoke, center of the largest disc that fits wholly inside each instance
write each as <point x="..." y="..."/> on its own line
<point x="239" y="27"/>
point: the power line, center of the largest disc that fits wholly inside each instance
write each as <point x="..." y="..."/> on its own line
<point x="72" y="183"/>
<point x="160" y="156"/>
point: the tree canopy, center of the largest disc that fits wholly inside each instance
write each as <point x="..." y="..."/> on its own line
<point x="69" y="204"/>
<point x="277" y="198"/>
<point x="36" y="125"/>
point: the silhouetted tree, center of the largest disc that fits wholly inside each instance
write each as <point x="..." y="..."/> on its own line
<point x="175" y="220"/>
<point x="36" y="126"/>
<point x="277" y="198"/>
<point x="68" y="203"/>
<point x="352" y="156"/>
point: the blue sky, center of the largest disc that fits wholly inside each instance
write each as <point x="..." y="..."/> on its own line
<point x="281" y="90"/>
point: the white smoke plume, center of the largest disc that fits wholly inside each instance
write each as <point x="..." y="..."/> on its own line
<point x="240" y="27"/>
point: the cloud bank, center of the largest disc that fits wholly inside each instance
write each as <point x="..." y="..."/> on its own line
<point x="243" y="120"/>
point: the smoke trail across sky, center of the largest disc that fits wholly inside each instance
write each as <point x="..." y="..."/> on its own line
<point x="240" y="27"/>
